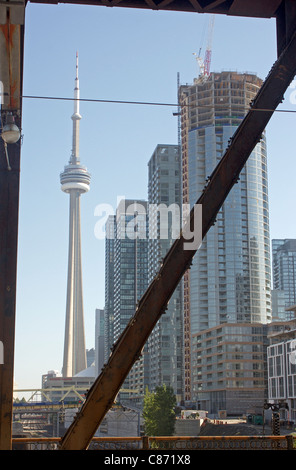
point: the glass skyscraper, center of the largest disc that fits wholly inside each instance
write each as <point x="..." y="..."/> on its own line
<point x="165" y="344"/>
<point x="137" y="240"/>
<point x="130" y="260"/>
<point x="126" y="277"/>
<point x="284" y="270"/>
<point x="109" y="287"/>
<point x="229" y="281"/>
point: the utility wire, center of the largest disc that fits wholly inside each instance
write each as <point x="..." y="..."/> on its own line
<point x="100" y="101"/>
<point x="151" y="103"/>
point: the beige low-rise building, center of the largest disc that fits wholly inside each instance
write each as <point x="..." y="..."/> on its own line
<point x="229" y="368"/>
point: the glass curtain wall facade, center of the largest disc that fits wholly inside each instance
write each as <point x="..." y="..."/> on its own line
<point x="165" y="344"/>
<point x="130" y="261"/>
<point x="99" y="340"/>
<point x="284" y="270"/>
<point x="229" y="281"/>
<point x="126" y="279"/>
<point x="109" y="287"/>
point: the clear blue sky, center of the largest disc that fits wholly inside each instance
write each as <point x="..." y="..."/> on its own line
<point x="124" y="54"/>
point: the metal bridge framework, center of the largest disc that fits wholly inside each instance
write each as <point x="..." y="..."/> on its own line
<point x="128" y="348"/>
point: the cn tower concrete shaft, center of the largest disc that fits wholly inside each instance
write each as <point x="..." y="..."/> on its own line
<point x="74" y="346"/>
<point x="75" y="181"/>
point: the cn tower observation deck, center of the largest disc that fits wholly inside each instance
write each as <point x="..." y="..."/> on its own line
<point x="75" y="177"/>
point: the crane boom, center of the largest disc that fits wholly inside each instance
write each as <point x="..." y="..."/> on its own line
<point x="205" y="64"/>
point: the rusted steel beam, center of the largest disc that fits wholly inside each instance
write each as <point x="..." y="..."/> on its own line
<point x="249" y="8"/>
<point x="129" y="346"/>
<point x="285" y="23"/>
<point x="175" y="442"/>
<point x="11" y="47"/>
<point x="9" y="202"/>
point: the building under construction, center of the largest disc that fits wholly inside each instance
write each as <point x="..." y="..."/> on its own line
<point x="229" y="280"/>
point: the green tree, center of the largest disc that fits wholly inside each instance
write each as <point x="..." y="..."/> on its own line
<point x="158" y="411"/>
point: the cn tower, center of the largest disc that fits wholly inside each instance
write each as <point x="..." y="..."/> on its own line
<point x="75" y="180"/>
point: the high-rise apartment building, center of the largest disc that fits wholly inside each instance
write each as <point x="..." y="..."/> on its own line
<point x="109" y="287"/>
<point x="278" y="304"/>
<point x="126" y="278"/>
<point x="284" y="270"/>
<point x="130" y="260"/>
<point x="229" y="368"/>
<point x="165" y="344"/>
<point x="99" y="341"/>
<point x="229" y="281"/>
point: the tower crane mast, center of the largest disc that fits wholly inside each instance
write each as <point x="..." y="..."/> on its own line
<point x="205" y="64"/>
<point x="208" y="53"/>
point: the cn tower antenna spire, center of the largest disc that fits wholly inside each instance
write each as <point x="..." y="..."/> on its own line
<point x="76" y="118"/>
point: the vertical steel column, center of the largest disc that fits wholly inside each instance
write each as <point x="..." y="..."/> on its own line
<point x="285" y="23"/>
<point x="9" y="201"/>
<point x="11" y="55"/>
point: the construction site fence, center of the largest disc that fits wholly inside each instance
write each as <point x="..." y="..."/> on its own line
<point x="167" y="443"/>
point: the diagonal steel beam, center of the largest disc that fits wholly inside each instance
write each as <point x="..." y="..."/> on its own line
<point x="129" y="346"/>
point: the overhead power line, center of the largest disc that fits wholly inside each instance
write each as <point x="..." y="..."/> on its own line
<point x="152" y="103"/>
<point x="91" y="100"/>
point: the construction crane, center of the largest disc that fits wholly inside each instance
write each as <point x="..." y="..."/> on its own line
<point x="205" y="64"/>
